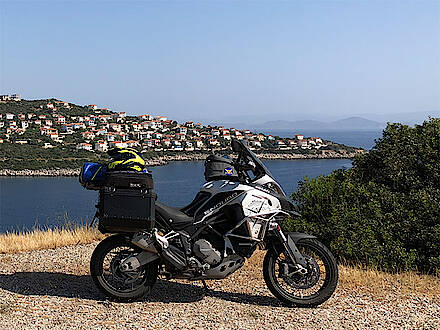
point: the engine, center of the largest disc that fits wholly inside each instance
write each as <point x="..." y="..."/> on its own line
<point x="206" y="252"/>
<point x="220" y="267"/>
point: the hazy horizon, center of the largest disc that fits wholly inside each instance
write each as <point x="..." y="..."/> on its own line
<point x="222" y="61"/>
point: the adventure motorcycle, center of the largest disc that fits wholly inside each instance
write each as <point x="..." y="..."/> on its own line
<point x="239" y="209"/>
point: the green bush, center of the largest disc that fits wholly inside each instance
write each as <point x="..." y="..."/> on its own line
<point x="384" y="211"/>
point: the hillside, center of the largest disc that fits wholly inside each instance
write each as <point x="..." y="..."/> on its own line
<point x="51" y="134"/>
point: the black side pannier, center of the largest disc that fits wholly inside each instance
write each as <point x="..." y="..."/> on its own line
<point x="219" y="168"/>
<point x="126" y="202"/>
<point x="125" y="210"/>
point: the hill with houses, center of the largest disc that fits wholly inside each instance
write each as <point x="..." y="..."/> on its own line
<point x="50" y="133"/>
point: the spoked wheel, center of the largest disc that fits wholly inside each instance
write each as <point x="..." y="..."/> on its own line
<point x="114" y="283"/>
<point x="302" y="288"/>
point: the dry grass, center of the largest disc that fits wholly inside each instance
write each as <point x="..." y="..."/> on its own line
<point x="403" y="284"/>
<point x="40" y="239"/>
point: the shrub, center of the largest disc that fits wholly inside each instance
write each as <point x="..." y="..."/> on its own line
<point x="385" y="210"/>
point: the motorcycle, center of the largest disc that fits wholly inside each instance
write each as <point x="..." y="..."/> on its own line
<point x="239" y="209"/>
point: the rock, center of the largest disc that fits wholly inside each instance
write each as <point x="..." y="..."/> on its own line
<point x="163" y="160"/>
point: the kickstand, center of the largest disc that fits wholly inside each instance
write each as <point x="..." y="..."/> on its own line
<point x="207" y="290"/>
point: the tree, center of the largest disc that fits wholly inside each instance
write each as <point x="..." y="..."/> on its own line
<point x="385" y="210"/>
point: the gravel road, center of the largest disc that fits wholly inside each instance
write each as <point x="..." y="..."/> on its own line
<point x="53" y="289"/>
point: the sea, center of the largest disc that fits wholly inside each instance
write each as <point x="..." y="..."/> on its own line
<point x="29" y="202"/>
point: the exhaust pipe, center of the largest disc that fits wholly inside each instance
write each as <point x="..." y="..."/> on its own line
<point x="145" y="242"/>
<point x="169" y="253"/>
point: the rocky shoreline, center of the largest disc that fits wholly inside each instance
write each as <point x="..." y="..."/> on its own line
<point x="163" y="160"/>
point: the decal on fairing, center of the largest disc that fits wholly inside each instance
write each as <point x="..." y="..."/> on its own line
<point x="258" y="203"/>
<point x="228" y="171"/>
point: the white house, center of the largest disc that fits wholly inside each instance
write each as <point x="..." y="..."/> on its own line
<point x="116" y="127"/>
<point x="199" y="144"/>
<point x="119" y="144"/>
<point x="182" y="130"/>
<point x="101" y="146"/>
<point x="88" y="135"/>
<point x="77" y="126"/>
<point x="146" y="117"/>
<point x="214" y="143"/>
<point x="161" y="118"/>
<point x="189" y="146"/>
<point x="132" y="143"/>
<point x="255" y="144"/>
<point x="67" y="128"/>
<point x="303" y="144"/>
<point x="84" y="146"/>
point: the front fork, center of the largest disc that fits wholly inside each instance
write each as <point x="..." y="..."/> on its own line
<point x="291" y="249"/>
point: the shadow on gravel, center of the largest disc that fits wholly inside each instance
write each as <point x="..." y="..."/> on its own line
<point x="82" y="286"/>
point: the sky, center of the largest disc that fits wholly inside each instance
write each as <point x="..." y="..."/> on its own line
<point x="226" y="60"/>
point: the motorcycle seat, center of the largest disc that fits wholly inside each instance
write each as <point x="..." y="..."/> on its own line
<point x="176" y="218"/>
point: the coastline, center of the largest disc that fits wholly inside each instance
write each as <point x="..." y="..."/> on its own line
<point x="164" y="160"/>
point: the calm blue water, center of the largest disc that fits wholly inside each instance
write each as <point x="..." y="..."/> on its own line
<point x="25" y="201"/>
<point x="360" y="139"/>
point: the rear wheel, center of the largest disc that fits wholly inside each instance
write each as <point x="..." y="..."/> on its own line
<point x="114" y="283"/>
<point x="288" y="284"/>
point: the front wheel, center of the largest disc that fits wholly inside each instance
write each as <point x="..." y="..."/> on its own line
<point x="287" y="283"/>
<point x="114" y="283"/>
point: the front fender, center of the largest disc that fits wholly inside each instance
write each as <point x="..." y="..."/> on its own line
<point x="273" y="242"/>
<point x="278" y="245"/>
<point x="296" y="237"/>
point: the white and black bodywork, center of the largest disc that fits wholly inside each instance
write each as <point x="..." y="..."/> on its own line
<point x="238" y="209"/>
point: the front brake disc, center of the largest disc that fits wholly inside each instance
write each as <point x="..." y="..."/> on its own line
<point x="303" y="281"/>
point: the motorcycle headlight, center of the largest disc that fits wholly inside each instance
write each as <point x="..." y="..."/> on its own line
<point x="274" y="188"/>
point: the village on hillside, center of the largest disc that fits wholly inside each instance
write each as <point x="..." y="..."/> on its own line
<point x="99" y="129"/>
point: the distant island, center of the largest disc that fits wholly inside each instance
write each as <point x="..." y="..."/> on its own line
<point x="54" y="137"/>
<point x="351" y="123"/>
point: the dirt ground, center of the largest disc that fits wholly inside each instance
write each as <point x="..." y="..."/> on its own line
<point x="53" y="289"/>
